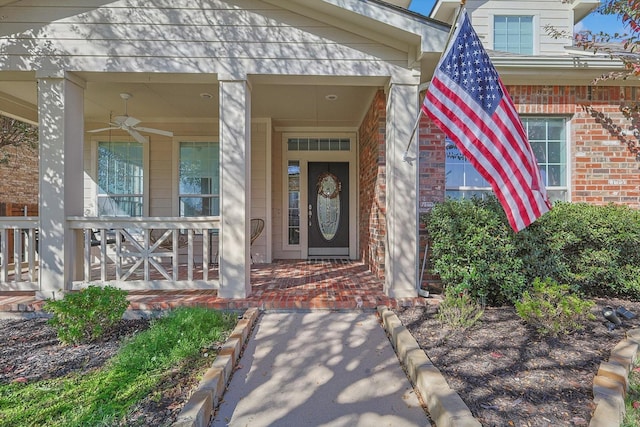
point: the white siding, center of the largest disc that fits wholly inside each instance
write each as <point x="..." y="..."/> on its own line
<point x="260" y="179"/>
<point x="545" y="12"/>
<point x="179" y="36"/>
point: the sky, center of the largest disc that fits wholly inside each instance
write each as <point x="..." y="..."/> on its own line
<point x="594" y="22"/>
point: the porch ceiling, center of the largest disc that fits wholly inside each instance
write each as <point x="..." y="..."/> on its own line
<point x="288" y="101"/>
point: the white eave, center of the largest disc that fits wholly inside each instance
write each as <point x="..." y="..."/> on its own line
<point x="582" y="8"/>
<point x="552" y="70"/>
<point x="387" y="22"/>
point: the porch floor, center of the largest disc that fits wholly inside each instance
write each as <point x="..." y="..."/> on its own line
<point x="282" y="285"/>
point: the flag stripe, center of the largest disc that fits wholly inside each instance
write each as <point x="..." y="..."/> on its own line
<point x="485" y="161"/>
<point x="468" y="101"/>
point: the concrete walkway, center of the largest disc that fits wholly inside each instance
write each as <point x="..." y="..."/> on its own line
<point x="319" y="369"/>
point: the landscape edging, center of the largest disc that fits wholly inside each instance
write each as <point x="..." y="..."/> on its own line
<point x="198" y="411"/>
<point x="611" y="383"/>
<point x="445" y="406"/>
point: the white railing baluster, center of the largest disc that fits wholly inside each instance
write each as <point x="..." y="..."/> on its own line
<point x="190" y="255"/>
<point x="87" y="256"/>
<point x="17" y="254"/>
<point x="4" y="256"/>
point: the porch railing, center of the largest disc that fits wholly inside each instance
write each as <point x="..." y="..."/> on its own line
<point x="150" y="252"/>
<point x="18" y="253"/>
<point x="131" y="253"/>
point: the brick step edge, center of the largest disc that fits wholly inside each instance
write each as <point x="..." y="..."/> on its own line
<point x="611" y="383"/>
<point x="445" y="406"/>
<point x="198" y="411"/>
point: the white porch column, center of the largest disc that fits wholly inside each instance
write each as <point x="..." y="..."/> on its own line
<point x="61" y="133"/>
<point x="235" y="187"/>
<point x="401" y="255"/>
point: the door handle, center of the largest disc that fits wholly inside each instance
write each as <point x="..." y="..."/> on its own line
<point x="310" y="214"/>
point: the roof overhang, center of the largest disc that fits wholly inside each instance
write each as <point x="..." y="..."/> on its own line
<point x="386" y="22"/>
<point x="571" y="70"/>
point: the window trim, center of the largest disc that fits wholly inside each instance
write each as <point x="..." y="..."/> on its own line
<point x="92" y="206"/>
<point x="534" y="23"/>
<point x="175" y="175"/>
<point x="568" y="164"/>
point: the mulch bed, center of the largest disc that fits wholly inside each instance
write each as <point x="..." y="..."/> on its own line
<point x="508" y="375"/>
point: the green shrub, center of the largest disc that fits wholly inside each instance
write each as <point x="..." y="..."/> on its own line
<point x="595" y="249"/>
<point x="87" y="315"/>
<point x="553" y="309"/>
<point x="458" y="310"/>
<point x="472" y="244"/>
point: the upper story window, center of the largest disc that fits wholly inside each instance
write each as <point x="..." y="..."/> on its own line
<point x="199" y="179"/>
<point x="120" y="179"/>
<point x="547" y="136"/>
<point x="513" y="34"/>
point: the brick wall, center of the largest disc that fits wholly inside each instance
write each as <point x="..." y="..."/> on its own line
<point x="603" y="161"/>
<point x="19" y="183"/>
<point x="372" y="227"/>
<point x="604" y="167"/>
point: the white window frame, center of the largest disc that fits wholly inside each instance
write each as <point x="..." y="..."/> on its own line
<point x="93" y="210"/>
<point x="487" y="189"/>
<point x="534" y="22"/>
<point x="175" y="178"/>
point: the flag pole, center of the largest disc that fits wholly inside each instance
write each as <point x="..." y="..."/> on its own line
<point x="405" y="156"/>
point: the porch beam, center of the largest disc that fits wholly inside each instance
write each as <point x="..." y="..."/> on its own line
<point x="235" y="187"/>
<point x="61" y="133"/>
<point x="401" y="255"/>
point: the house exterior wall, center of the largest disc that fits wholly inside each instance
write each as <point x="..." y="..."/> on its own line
<point x="260" y="186"/>
<point x="220" y="36"/>
<point x="372" y="204"/>
<point x="603" y="163"/>
<point x="554" y="13"/>
<point x="19" y="183"/>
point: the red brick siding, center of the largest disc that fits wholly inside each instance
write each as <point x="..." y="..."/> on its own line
<point x="372" y="227"/>
<point x="19" y="183"/>
<point x="603" y="162"/>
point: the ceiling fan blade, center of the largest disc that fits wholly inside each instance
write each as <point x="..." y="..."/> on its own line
<point x="130" y="121"/>
<point x="102" y="129"/>
<point x="156" y="131"/>
<point x="136" y="135"/>
<point x="119" y="120"/>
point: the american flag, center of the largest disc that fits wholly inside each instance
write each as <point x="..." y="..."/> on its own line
<point x="468" y="101"/>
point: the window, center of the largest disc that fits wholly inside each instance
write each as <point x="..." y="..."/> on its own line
<point x="120" y="179"/>
<point x="319" y="144"/>
<point x="199" y="179"/>
<point x="547" y="136"/>
<point x="513" y="34"/>
<point x="294" y="202"/>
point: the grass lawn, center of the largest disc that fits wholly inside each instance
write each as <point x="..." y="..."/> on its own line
<point x="105" y="396"/>
<point x="632" y="400"/>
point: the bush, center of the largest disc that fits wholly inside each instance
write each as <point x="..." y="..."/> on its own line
<point x="553" y="309"/>
<point x="595" y="249"/>
<point x="458" y="310"/>
<point x="472" y="244"/>
<point x="87" y="315"/>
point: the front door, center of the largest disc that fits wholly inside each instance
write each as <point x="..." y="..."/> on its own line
<point x="328" y="209"/>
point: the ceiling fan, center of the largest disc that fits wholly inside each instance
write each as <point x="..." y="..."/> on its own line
<point x="130" y="124"/>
